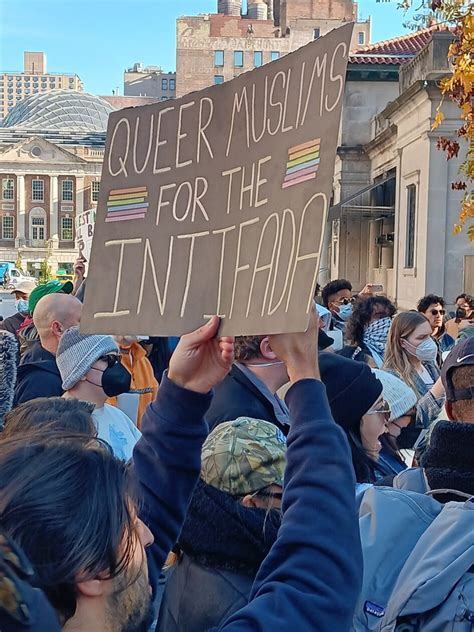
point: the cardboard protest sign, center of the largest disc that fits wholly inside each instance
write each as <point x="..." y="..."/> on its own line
<point x="85" y="224"/>
<point x="215" y="203"/>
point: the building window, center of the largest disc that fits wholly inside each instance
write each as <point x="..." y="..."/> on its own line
<point x="219" y="58"/>
<point x="361" y="39"/>
<point x="8" y="227"/>
<point x="316" y="33"/>
<point x="38" y="224"/>
<point x="67" y="189"/>
<point x="172" y="84"/>
<point x="8" y="189"/>
<point x="66" y="229"/>
<point x="238" y="58"/>
<point x="218" y="79"/>
<point x="274" y="55"/>
<point x="37" y="190"/>
<point x="258" y="58"/>
<point x="164" y="84"/>
<point x="411" y="227"/>
<point x="95" y="191"/>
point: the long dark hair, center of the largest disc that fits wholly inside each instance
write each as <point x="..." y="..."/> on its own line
<point x="362" y="314"/>
<point x="365" y="467"/>
<point x="69" y="504"/>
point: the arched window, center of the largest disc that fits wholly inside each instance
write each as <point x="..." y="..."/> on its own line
<point x="38" y="224"/>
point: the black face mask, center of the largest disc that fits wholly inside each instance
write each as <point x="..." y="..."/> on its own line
<point x="116" y="380"/>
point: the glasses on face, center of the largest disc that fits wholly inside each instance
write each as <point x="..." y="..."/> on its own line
<point x="435" y="312"/>
<point x="110" y="360"/>
<point x="382" y="409"/>
<point x="344" y="301"/>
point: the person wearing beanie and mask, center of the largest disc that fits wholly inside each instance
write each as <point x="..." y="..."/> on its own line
<point x="91" y="370"/>
<point x="232" y="522"/>
<point x="411" y="355"/>
<point x="401" y="400"/>
<point x="367" y="330"/>
<point x="144" y="387"/>
<point x="357" y="405"/>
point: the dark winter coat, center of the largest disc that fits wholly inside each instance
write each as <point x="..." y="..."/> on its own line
<point x="38" y="375"/>
<point x="237" y="397"/>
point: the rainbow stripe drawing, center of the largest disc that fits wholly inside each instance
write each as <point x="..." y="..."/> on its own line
<point x="124" y="204"/>
<point x="303" y="163"/>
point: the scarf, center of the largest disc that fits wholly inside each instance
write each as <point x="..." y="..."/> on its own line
<point x="219" y="532"/>
<point x="375" y="338"/>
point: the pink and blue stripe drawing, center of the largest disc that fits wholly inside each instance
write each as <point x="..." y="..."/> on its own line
<point x="303" y="163"/>
<point x="125" y="204"/>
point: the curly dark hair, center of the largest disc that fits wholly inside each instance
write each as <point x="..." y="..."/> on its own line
<point x="362" y="314"/>
<point x="333" y="287"/>
<point x="429" y="299"/>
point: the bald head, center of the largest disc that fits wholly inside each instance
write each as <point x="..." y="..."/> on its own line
<point x="53" y="314"/>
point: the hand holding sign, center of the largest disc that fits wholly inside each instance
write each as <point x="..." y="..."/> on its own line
<point x="200" y="361"/>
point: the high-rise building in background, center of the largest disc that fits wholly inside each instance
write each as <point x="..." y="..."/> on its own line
<point x="213" y="48"/>
<point x="34" y="79"/>
<point x="149" y="81"/>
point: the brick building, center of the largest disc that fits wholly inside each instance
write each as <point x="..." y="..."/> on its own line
<point x="15" y="86"/>
<point x="149" y="81"/>
<point x="51" y="153"/>
<point x="214" y="48"/>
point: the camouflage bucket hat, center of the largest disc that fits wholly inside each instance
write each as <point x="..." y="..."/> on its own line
<point x="244" y="456"/>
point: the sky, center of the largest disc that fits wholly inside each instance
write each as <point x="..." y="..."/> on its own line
<point x="99" y="39"/>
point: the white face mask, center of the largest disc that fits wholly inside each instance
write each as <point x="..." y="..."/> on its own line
<point x="426" y="351"/>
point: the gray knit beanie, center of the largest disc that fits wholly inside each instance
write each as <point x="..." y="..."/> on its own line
<point x="400" y="397"/>
<point x="77" y="353"/>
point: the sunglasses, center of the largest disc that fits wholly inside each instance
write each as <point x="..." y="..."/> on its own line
<point x="344" y="301"/>
<point x="382" y="409"/>
<point x="441" y="312"/>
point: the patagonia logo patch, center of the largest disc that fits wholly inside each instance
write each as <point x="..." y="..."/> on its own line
<point x="372" y="608"/>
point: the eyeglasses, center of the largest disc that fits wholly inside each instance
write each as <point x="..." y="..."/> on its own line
<point x="110" y="360"/>
<point x="265" y="494"/>
<point x="441" y="312"/>
<point x="383" y="409"/>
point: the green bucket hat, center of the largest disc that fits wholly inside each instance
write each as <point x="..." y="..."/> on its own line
<point x="244" y="456"/>
<point x="51" y="287"/>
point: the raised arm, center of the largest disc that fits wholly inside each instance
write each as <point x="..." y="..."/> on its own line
<point x="167" y="458"/>
<point x="311" y="578"/>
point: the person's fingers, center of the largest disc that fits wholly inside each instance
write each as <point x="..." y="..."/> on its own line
<point x="203" y="334"/>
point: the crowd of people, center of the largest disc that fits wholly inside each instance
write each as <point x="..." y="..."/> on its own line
<point x="255" y="483"/>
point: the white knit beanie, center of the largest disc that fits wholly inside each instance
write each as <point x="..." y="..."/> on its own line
<point x="78" y="352"/>
<point x="400" y="397"/>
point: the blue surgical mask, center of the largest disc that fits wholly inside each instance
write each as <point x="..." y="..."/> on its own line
<point x="345" y="311"/>
<point x="21" y="305"/>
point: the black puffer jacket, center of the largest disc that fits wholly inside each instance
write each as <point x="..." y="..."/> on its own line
<point x="38" y="375"/>
<point x="223" y="545"/>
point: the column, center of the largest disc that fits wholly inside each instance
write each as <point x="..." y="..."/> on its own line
<point x="79" y="195"/>
<point x="20" y="211"/>
<point x="53" y="211"/>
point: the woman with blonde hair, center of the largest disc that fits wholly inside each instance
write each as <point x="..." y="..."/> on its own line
<point x="411" y="356"/>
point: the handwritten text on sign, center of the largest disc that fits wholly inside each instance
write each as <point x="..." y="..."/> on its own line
<point x="215" y="203"/>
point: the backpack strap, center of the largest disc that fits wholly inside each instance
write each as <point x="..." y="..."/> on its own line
<point x="413" y="479"/>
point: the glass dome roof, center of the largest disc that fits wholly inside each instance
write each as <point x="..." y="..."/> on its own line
<point x="64" y="110"/>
